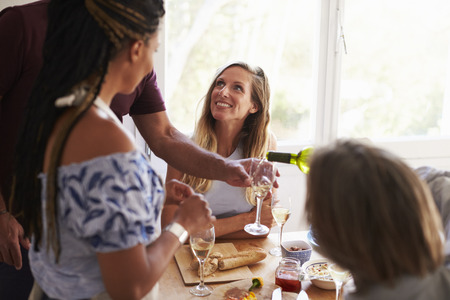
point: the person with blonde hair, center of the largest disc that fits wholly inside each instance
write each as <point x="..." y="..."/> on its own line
<point x="87" y="197"/>
<point x="234" y="123"/>
<point x="373" y="215"/>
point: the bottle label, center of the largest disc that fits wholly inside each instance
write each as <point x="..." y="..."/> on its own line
<point x="279" y="157"/>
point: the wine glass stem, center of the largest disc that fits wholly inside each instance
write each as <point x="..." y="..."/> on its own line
<point x="258" y="210"/>
<point x="281" y="235"/>
<point x="338" y="289"/>
<point x="201" y="273"/>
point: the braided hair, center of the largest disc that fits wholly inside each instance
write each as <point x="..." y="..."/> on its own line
<point x="82" y="37"/>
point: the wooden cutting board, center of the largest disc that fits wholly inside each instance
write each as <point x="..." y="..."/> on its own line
<point x="184" y="256"/>
<point x="264" y="292"/>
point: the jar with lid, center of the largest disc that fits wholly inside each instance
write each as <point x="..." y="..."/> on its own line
<point x="288" y="275"/>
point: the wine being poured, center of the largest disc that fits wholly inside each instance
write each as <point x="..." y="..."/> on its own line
<point x="301" y="159"/>
<point x="262" y="189"/>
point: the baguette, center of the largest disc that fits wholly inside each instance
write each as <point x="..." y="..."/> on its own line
<point x="242" y="258"/>
<point x="210" y="267"/>
<point x="216" y="255"/>
<point x="195" y="264"/>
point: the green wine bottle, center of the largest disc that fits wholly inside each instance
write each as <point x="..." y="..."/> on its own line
<point x="301" y="159"/>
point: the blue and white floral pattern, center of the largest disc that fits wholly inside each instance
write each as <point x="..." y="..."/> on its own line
<point x="106" y="204"/>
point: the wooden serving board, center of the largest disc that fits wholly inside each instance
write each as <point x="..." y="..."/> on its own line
<point x="184" y="256"/>
<point x="265" y="292"/>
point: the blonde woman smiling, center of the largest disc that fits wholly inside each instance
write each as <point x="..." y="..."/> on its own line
<point x="235" y="124"/>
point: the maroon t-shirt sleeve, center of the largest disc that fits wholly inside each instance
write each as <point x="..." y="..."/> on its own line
<point x="146" y="99"/>
<point x="150" y="99"/>
<point x="11" y="48"/>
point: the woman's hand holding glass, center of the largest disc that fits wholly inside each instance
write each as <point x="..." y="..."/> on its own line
<point x="266" y="213"/>
<point x="177" y="191"/>
<point x="193" y="212"/>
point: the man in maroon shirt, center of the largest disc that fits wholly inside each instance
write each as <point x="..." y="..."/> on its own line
<point x="22" y="33"/>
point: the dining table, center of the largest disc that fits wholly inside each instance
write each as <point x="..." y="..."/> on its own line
<point x="171" y="284"/>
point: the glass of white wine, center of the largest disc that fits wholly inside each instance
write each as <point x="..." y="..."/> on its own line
<point x="201" y="244"/>
<point x="281" y="211"/>
<point x="340" y="277"/>
<point x="262" y="173"/>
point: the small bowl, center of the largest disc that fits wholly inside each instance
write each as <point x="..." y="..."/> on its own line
<point x="326" y="284"/>
<point x="303" y="255"/>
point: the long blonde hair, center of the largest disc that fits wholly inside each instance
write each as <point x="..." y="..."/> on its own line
<point x="372" y="214"/>
<point x="254" y="135"/>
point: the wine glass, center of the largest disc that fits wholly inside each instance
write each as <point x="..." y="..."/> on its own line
<point x="201" y="244"/>
<point x="281" y="211"/>
<point x="262" y="173"/>
<point x="340" y="277"/>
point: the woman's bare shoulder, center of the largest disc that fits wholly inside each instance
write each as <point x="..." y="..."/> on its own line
<point x="96" y="136"/>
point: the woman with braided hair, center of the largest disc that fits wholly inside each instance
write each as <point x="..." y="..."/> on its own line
<point x="87" y="197"/>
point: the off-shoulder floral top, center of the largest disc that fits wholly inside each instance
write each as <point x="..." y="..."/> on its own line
<point x="106" y="204"/>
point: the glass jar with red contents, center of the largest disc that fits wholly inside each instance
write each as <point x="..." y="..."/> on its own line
<point x="288" y="274"/>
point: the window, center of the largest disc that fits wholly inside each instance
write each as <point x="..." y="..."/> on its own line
<point x="395" y="78"/>
<point x="392" y="86"/>
<point x="278" y="36"/>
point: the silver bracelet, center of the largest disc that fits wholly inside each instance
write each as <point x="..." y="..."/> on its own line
<point x="177" y="230"/>
<point x="2" y="212"/>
